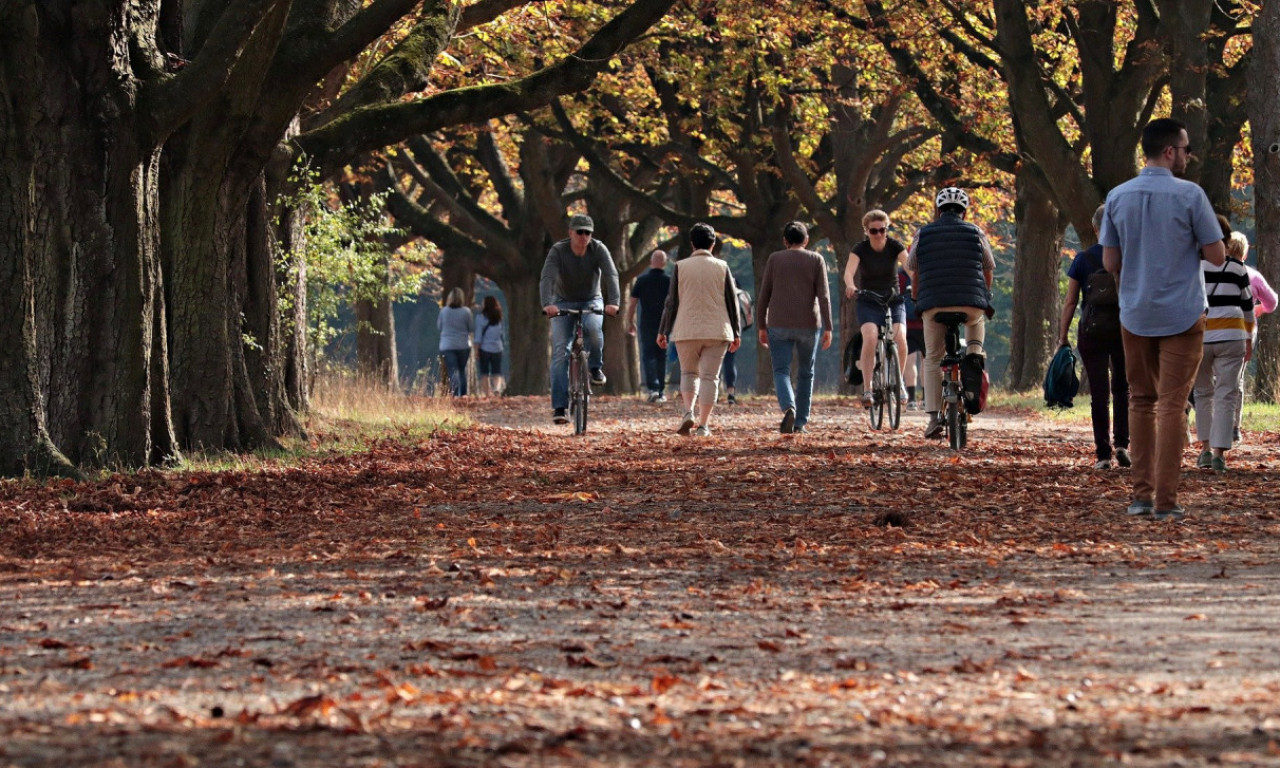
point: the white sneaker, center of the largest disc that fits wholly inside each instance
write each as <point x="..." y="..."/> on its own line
<point x="686" y="423"/>
<point x="1103" y="464"/>
<point x="702" y="431"/>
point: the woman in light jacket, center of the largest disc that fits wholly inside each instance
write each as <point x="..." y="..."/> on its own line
<point x="701" y="317"/>
<point x="456" y="326"/>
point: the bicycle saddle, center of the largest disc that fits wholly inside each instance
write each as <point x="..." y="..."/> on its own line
<point x="951" y="319"/>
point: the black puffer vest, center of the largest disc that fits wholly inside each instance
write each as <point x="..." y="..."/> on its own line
<point x="949" y="263"/>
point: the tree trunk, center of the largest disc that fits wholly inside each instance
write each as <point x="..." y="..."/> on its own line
<point x="529" y="336"/>
<point x="761" y="246"/>
<point x="376" y="342"/>
<point x="78" y="248"/>
<point x="1264" y="119"/>
<point x="1040" y="227"/>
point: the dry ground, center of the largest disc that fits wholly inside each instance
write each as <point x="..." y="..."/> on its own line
<point x="514" y="596"/>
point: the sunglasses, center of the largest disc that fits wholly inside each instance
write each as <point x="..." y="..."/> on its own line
<point x="583" y="231"/>
<point x="877" y="230"/>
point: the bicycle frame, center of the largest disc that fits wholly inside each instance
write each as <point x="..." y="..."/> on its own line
<point x="886" y="375"/>
<point x="957" y="418"/>
<point x="579" y="380"/>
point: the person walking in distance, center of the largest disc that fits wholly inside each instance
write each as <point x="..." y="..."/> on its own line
<point x="1154" y="230"/>
<point x="1228" y="345"/>
<point x="649" y="294"/>
<point x="490" y="342"/>
<point x="793" y="316"/>
<point x="701" y="317"/>
<point x="951" y="269"/>
<point x="1101" y="349"/>
<point x="576" y="270"/>
<point x="456" y="324"/>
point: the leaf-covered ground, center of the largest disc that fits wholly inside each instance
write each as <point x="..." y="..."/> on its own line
<point x="513" y="596"/>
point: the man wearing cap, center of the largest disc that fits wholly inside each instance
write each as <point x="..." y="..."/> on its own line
<point x="571" y="279"/>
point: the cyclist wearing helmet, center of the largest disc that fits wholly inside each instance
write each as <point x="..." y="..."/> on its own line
<point x="951" y="270"/>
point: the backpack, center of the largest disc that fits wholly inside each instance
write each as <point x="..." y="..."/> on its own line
<point x="973" y="375"/>
<point x="853" y="351"/>
<point x="1061" y="384"/>
<point x="1100" y="315"/>
<point x="746" y="314"/>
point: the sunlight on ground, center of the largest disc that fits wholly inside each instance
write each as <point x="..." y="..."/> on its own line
<point x="347" y="414"/>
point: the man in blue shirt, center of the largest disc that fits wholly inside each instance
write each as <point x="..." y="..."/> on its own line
<point x="1154" y="231"/>
<point x="650" y="292"/>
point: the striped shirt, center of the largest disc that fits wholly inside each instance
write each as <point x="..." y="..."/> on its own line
<point x="1230" y="315"/>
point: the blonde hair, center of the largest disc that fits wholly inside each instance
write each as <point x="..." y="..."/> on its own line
<point x="875" y="214"/>
<point x="455" y="298"/>
<point x="1237" y="246"/>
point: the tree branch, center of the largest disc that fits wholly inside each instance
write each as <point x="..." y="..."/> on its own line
<point x="335" y="144"/>
<point x="169" y="102"/>
<point x="405" y="69"/>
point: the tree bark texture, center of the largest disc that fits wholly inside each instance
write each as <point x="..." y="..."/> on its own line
<point x="79" y="246"/>
<point x="1264" y="119"/>
<point x="1036" y="268"/>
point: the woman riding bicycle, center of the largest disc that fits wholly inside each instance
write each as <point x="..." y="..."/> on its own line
<point x="873" y="270"/>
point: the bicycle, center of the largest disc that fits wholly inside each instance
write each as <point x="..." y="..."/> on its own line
<point x="886" y="376"/>
<point x="579" y="374"/>
<point x="956" y="420"/>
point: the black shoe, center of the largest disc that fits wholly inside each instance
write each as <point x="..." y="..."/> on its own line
<point x="788" y="422"/>
<point x="1123" y="458"/>
<point x="558" y="416"/>
<point x="730" y="399"/>
<point x="653" y="397"/>
<point x="597" y="377"/>
<point x="935" y="429"/>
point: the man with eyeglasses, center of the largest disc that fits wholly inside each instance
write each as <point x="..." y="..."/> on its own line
<point x="1155" y="229"/>
<point x="571" y="279"/>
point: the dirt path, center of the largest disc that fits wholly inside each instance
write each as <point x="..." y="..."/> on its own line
<point x="511" y="595"/>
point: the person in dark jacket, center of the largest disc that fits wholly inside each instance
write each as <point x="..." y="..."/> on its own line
<point x="579" y="273"/>
<point x="951" y="269"/>
<point x="649" y="295"/>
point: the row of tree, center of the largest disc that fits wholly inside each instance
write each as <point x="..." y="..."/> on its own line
<point x="148" y="150"/>
<point x="747" y="115"/>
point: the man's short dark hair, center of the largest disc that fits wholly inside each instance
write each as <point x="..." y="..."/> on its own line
<point x="702" y="236"/>
<point x="1160" y="133"/>
<point x="795" y="233"/>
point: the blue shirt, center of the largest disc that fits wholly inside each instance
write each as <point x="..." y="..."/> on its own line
<point x="1159" y="223"/>
<point x="456" y="325"/>
<point x="488" y="335"/>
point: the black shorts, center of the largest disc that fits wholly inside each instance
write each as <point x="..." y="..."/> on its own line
<point x="915" y="340"/>
<point x="490" y="363"/>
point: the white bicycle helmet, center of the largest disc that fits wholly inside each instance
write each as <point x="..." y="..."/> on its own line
<point x="952" y="196"/>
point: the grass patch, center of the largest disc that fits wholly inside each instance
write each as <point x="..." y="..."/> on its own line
<point x="347" y="415"/>
<point x="1257" y="417"/>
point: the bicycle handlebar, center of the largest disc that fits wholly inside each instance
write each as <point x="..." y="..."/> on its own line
<point x="883" y="299"/>
<point x="574" y="312"/>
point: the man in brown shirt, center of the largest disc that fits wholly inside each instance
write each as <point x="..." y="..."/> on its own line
<point x="793" y="310"/>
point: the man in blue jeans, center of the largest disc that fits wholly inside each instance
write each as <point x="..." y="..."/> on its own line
<point x="571" y="279"/>
<point x="793" y="316"/>
<point x="649" y="294"/>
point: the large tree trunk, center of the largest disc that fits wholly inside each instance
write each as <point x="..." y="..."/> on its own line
<point x="376" y="342"/>
<point x="1264" y="120"/>
<point x="1040" y="227"/>
<point x="529" y="337"/>
<point x="761" y="246"/>
<point x="78" y="248"/>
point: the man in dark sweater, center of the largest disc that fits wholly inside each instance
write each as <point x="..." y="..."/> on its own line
<point x="572" y="276"/>
<point x="792" y="312"/>
<point x="649" y="293"/>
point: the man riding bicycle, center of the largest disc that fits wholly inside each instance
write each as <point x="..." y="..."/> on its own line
<point x="873" y="269"/>
<point x="571" y="279"/>
<point x="951" y="270"/>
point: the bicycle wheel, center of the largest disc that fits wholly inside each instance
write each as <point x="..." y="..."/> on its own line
<point x="893" y="385"/>
<point x="582" y="396"/>
<point x="877" y="388"/>
<point x="954" y="436"/>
